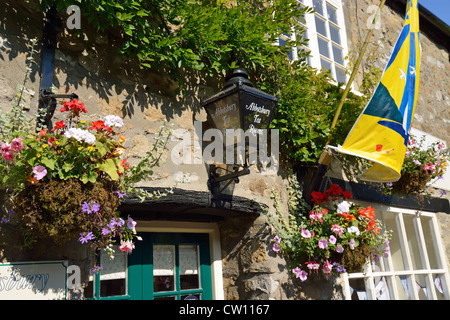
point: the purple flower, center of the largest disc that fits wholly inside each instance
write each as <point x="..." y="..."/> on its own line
<point x="339" y="248"/>
<point x="96" y="269"/>
<point x="85" y="208"/>
<point x="303" y="275"/>
<point x="352" y="244"/>
<point x="443" y="192"/>
<point x="105" y="231"/>
<point x="95" y="207"/>
<point x="339" y="267"/>
<point x="323" y="243"/>
<point x="332" y="239"/>
<point x="277" y="239"/>
<point x="85" y="237"/>
<point x="39" y="172"/>
<point x="131" y="224"/>
<point x="276" y="247"/>
<point x="121" y="195"/>
<point x="306" y="234"/>
<point x="89" y="208"/>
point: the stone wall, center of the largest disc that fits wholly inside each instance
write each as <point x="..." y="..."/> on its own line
<point x="107" y="83"/>
<point x="252" y="271"/>
<point x="432" y="111"/>
<point x="433" y="106"/>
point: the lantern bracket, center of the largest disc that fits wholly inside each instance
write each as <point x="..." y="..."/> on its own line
<point x="233" y="175"/>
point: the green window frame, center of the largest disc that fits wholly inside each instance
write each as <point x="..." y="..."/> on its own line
<point x="141" y="266"/>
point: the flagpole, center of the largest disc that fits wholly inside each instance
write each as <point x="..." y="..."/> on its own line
<point x="314" y="178"/>
<point x="325" y="158"/>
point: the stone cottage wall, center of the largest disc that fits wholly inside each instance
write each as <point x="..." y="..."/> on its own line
<point x="433" y="106"/>
<point x="107" y="83"/>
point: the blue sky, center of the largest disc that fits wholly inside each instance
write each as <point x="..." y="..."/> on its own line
<point x="440" y="8"/>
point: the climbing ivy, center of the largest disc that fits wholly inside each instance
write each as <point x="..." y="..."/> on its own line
<point x="213" y="36"/>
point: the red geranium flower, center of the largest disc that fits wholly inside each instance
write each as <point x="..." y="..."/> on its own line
<point x="74" y="106"/>
<point x="319" y="197"/>
<point x="59" y="125"/>
<point x="367" y="212"/>
<point x="335" y="190"/>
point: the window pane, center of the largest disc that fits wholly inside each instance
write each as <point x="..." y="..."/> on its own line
<point x="412" y="242"/>
<point x="163" y="268"/>
<point x="438" y="285"/>
<point x="320" y="26"/>
<point x="337" y="55"/>
<point x="325" y="64"/>
<point x="334" y="34"/>
<point x="331" y="12"/>
<point x="394" y="243"/>
<point x="189" y="267"/>
<point x="113" y="287"/>
<point x="340" y="75"/>
<point x="427" y="233"/>
<point x="318" y="6"/>
<point x="403" y="287"/>
<point x="323" y="47"/>
<point x="113" y="274"/>
<point x="421" y="286"/>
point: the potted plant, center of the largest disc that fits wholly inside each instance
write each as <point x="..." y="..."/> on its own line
<point x="68" y="182"/>
<point x="335" y="236"/>
<point x="422" y="164"/>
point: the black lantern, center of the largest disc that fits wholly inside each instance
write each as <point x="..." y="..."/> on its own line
<point x="242" y="108"/>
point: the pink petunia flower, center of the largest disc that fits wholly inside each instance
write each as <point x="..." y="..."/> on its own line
<point x="332" y="239"/>
<point x="300" y="274"/>
<point x="39" y="172"/>
<point x="323" y="243"/>
<point x="306" y="234"/>
<point x="276" y="247"/>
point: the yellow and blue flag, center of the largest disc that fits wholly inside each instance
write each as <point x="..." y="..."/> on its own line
<point x="381" y="132"/>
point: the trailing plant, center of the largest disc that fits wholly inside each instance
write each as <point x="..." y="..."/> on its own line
<point x="169" y="35"/>
<point x="422" y="164"/>
<point x="308" y="102"/>
<point x="174" y="36"/>
<point x="70" y="180"/>
<point x="334" y="235"/>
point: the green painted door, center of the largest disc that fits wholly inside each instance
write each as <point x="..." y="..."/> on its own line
<point x="170" y="266"/>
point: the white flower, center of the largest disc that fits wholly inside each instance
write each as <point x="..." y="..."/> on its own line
<point x="80" y="135"/>
<point x="113" y="121"/>
<point x="343" y="207"/>
<point x="353" y="229"/>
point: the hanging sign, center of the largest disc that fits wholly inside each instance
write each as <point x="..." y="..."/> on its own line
<point x="41" y="280"/>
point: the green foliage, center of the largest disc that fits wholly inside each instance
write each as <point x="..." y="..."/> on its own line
<point x="199" y="35"/>
<point x="334" y="235"/>
<point x="215" y="36"/>
<point x="308" y="102"/>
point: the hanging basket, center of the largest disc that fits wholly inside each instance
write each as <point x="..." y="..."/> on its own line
<point x="353" y="260"/>
<point x="53" y="209"/>
<point x="411" y="182"/>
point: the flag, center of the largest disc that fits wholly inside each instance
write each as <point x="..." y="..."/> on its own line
<point x="381" y="132"/>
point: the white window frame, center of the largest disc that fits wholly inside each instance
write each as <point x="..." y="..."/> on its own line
<point x="314" y="60"/>
<point x="387" y="272"/>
